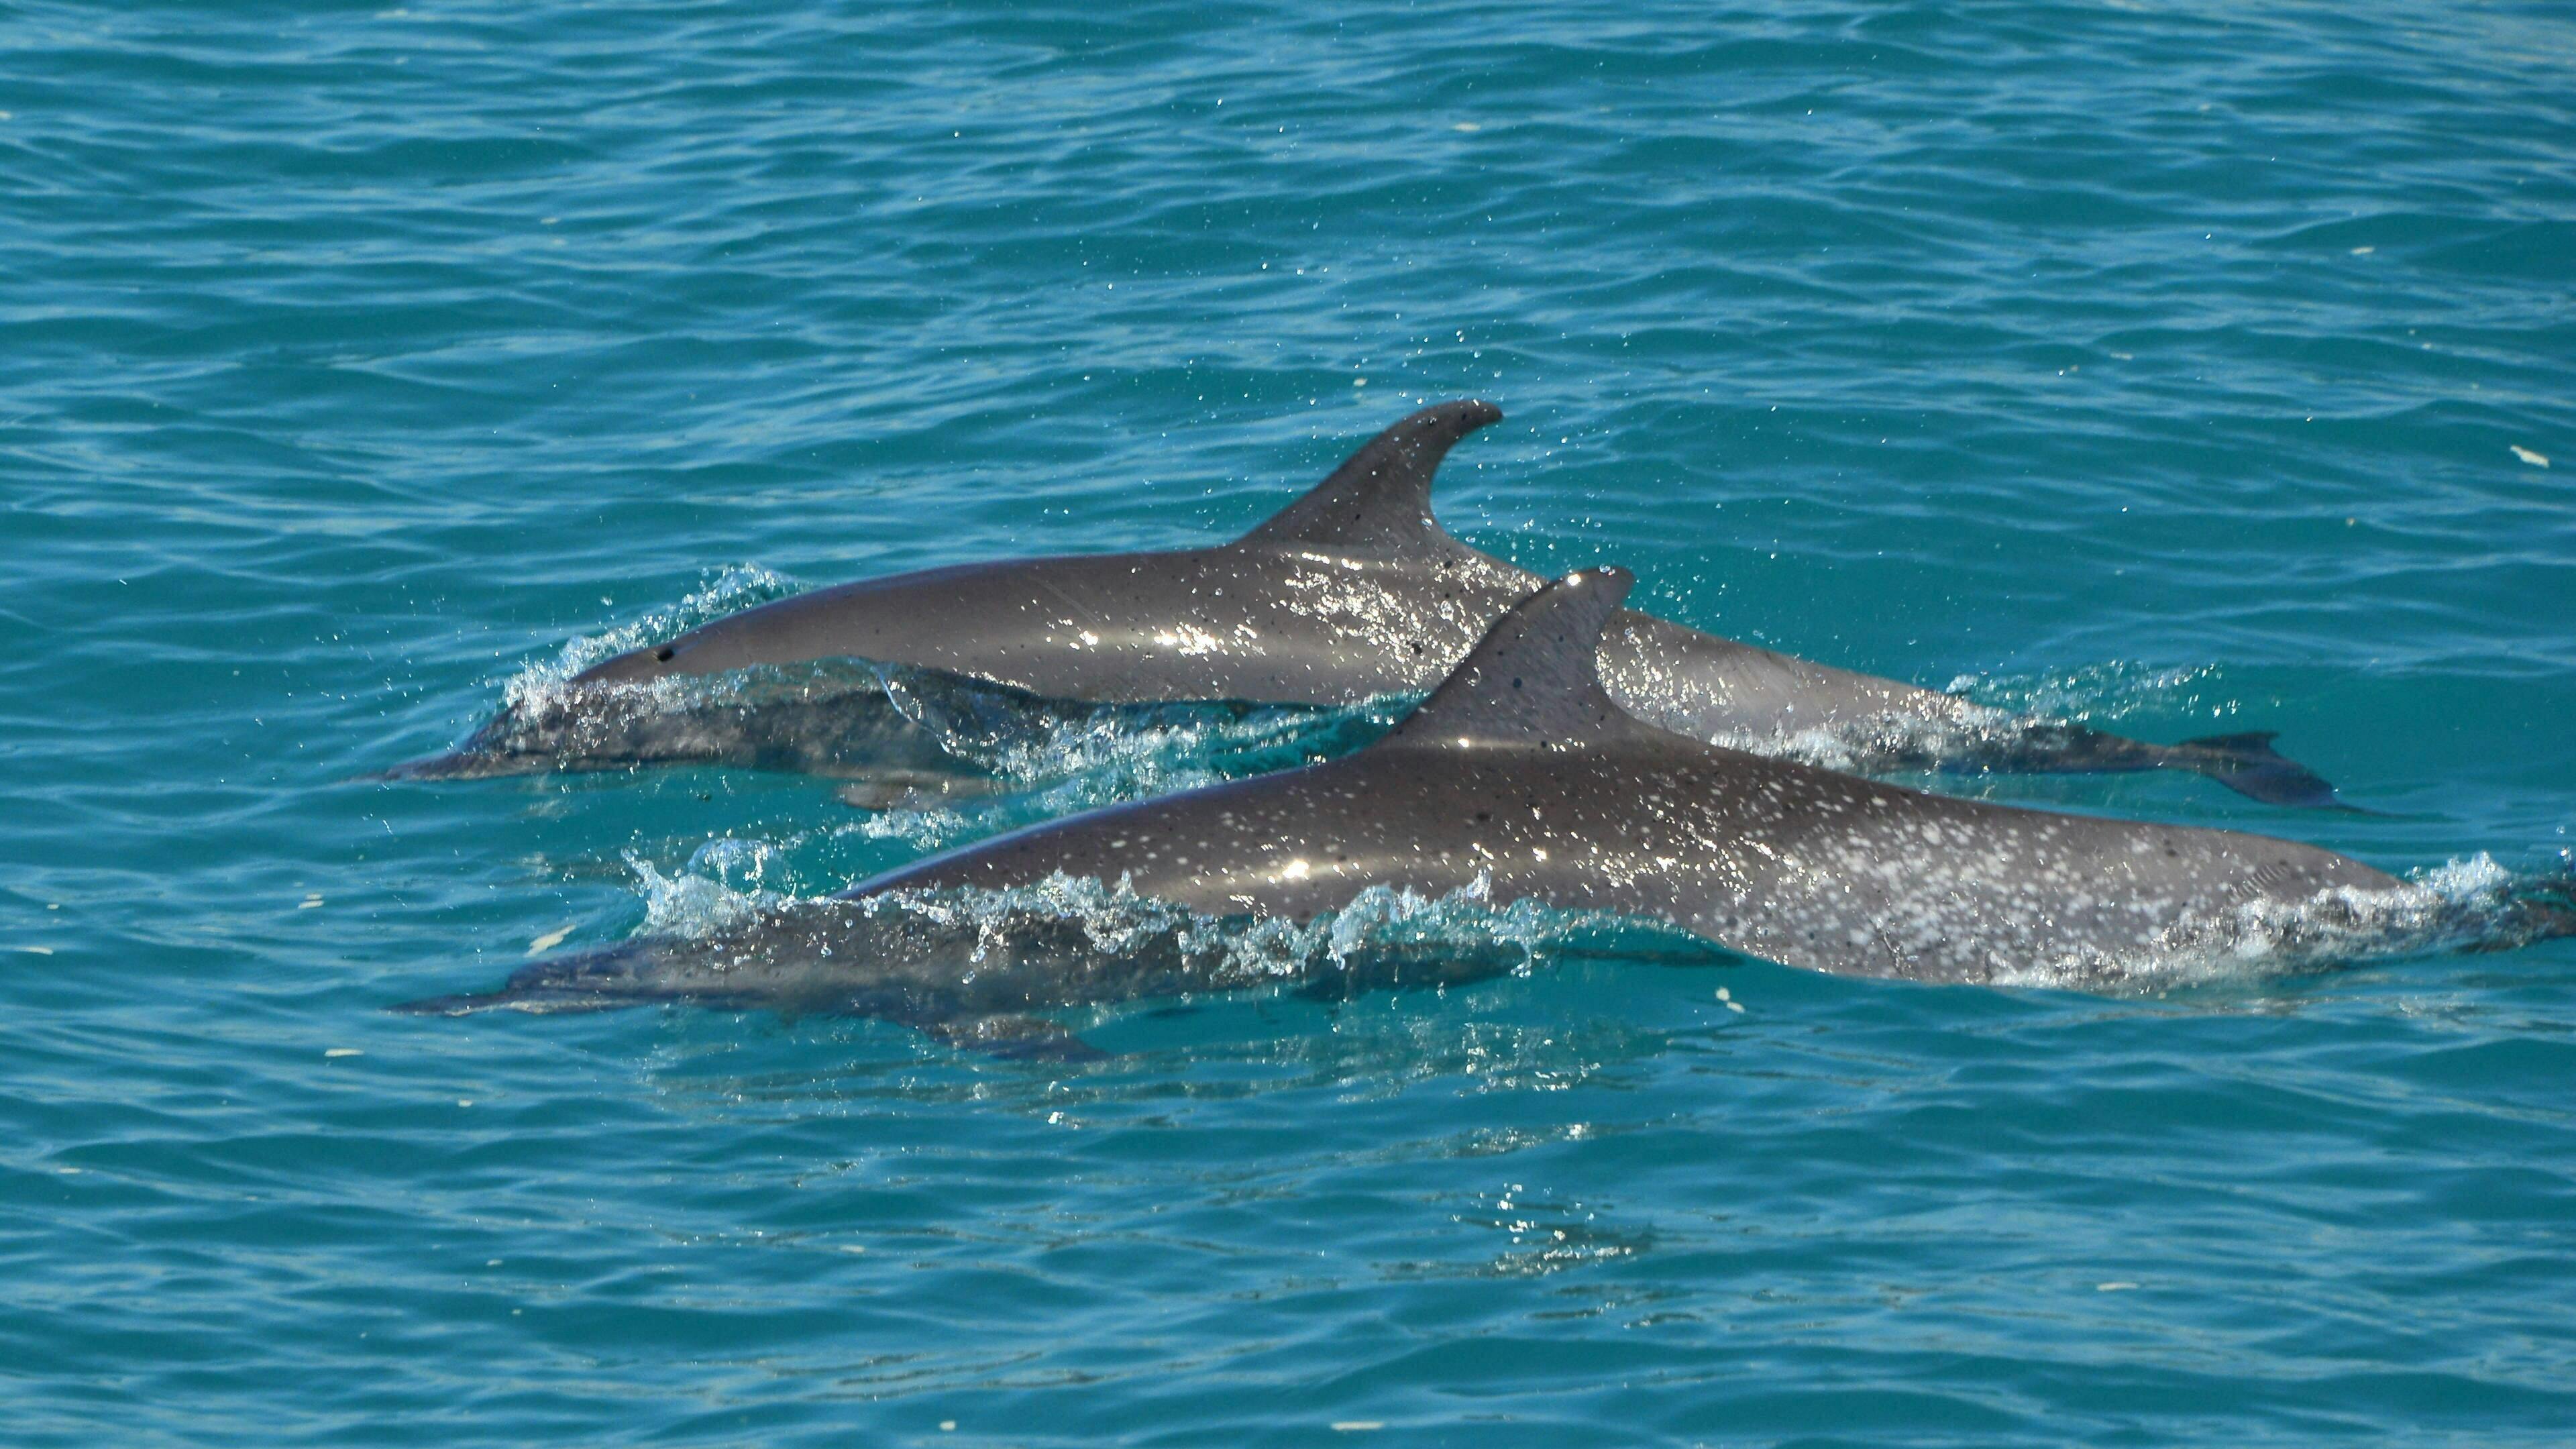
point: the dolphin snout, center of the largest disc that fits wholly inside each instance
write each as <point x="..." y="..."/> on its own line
<point x="464" y="764"/>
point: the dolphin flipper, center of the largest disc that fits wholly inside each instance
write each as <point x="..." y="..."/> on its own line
<point x="2247" y="764"/>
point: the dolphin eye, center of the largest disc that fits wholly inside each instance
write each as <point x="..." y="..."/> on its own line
<point x="664" y="653"/>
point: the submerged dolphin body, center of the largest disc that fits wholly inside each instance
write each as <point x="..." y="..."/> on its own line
<point x="1350" y="593"/>
<point x="1520" y="779"/>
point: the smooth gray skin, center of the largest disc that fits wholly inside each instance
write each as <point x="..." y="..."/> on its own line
<point x="1350" y="593"/>
<point x="1523" y="777"/>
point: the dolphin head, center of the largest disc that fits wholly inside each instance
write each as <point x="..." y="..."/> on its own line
<point x="549" y="730"/>
<point x="639" y="666"/>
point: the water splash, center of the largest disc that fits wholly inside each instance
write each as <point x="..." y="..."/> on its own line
<point x="1892" y="740"/>
<point x="690" y="904"/>
<point x="728" y="590"/>
<point x="1379" y="927"/>
<point x="1383" y="936"/>
<point x="1051" y="759"/>
<point x="2107" y="690"/>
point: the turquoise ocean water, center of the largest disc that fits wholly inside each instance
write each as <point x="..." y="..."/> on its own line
<point x="2180" y="367"/>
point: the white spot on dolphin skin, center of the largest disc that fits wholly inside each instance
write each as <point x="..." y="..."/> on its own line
<point x="2536" y="460"/>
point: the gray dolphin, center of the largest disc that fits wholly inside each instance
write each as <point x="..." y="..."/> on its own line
<point x="1521" y="779"/>
<point x="1350" y="593"/>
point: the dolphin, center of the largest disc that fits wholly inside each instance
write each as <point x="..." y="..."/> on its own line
<point x="1520" y="779"/>
<point x="1352" y="592"/>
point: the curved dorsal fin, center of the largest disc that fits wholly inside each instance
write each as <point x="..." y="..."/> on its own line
<point x="1381" y="497"/>
<point x="1535" y="677"/>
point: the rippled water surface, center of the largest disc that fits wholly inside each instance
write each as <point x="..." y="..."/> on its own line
<point x="2180" y="367"/>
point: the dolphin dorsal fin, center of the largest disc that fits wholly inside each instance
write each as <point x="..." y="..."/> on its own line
<point x="1535" y="678"/>
<point x="1380" y="498"/>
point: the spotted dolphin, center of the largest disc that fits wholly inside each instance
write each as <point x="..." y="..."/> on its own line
<point x="1350" y="593"/>
<point x="1520" y="779"/>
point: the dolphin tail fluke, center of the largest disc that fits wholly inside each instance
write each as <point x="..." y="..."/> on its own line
<point x="2247" y="764"/>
